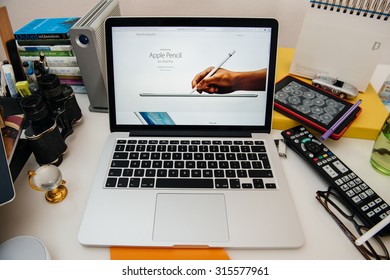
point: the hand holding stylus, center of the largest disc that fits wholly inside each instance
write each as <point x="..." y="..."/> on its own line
<point x="211" y="71"/>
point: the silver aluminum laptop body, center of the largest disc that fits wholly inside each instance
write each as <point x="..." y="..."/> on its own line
<point x="163" y="55"/>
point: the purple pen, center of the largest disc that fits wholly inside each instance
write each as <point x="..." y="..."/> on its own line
<point x="340" y="121"/>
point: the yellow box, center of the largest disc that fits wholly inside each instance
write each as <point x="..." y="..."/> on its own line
<point x="367" y="125"/>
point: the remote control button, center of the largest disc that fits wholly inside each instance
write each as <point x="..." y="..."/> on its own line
<point x="341" y="167"/>
<point x="330" y="171"/>
<point x="313" y="147"/>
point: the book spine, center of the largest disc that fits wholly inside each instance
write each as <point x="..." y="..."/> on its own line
<point x="41" y="36"/>
<point x="54" y="61"/>
<point x="70" y="81"/>
<point x="43" y="42"/>
<point x="45" y="48"/>
<point x="47" y="53"/>
<point x="65" y="71"/>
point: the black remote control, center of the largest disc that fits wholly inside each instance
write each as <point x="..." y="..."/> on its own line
<point x="368" y="205"/>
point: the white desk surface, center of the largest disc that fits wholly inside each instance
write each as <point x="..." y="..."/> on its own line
<point x="57" y="225"/>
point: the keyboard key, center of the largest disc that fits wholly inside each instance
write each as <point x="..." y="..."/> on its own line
<point x="173" y="173"/>
<point x="166" y="156"/>
<point x="144" y="156"/>
<point x="120" y="155"/>
<point x="134" y="182"/>
<point x="120" y="163"/>
<point x="139" y="172"/>
<point x="190" y="164"/>
<point x="123" y="182"/>
<point x="135" y="164"/>
<point x="242" y="173"/>
<point x="115" y="172"/>
<point x="151" y="148"/>
<point x="247" y="186"/>
<point x="184" y="173"/>
<point x="234" y="183"/>
<point x="168" y="164"/>
<point x="119" y="148"/>
<point x="127" y="172"/>
<point x="162" y="173"/>
<point x="150" y="173"/>
<point x="134" y="155"/>
<point x="230" y="173"/>
<point x="264" y="159"/>
<point x="111" y="182"/>
<point x="221" y="183"/>
<point x="207" y="173"/>
<point x="146" y="164"/>
<point x="257" y="149"/>
<point x="147" y="183"/>
<point x="258" y="183"/>
<point x="245" y="149"/>
<point x="130" y="148"/>
<point x="184" y="183"/>
<point x="270" y="186"/>
<point x="260" y="173"/>
<point x="196" y="173"/>
<point x="140" y="148"/>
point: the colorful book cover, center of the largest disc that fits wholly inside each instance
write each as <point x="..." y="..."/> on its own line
<point x="46" y="53"/>
<point x="45" y="48"/>
<point x="46" y="28"/>
<point x="54" y="61"/>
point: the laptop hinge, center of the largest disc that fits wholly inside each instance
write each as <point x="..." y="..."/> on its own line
<point x="191" y="133"/>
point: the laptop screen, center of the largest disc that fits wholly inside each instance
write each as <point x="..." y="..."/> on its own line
<point x="190" y="72"/>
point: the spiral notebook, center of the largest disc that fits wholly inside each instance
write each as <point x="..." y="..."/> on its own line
<point x="343" y="39"/>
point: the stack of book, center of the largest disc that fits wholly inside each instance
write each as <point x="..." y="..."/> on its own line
<point x="46" y="40"/>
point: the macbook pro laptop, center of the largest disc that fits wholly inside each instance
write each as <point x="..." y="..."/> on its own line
<point x="178" y="171"/>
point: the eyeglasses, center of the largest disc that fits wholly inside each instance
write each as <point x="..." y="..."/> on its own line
<point x="372" y="249"/>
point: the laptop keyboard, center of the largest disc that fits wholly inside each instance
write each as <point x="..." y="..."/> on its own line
<point x="208" y="164"/>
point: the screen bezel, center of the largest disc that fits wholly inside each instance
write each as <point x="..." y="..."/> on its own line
<point x="301" y="117"/>
<point x="191" y="22"/>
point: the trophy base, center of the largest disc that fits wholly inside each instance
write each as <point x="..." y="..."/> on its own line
<point x="56" y="195"/>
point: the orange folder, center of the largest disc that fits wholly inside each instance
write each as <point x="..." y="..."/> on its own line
<point x="153" y="253"/>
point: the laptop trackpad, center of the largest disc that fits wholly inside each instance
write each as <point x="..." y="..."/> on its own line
<point x="188" y="218"/>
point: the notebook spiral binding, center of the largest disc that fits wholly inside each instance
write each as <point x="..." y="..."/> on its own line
<point x="366" y="8"/>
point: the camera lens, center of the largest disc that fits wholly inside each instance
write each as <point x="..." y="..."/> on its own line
<point x="34" y="107"/>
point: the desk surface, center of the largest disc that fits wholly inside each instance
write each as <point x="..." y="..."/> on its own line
<point x="57" y="225"/>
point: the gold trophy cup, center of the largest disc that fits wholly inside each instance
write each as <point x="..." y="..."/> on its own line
<point x="48" y="178"/>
